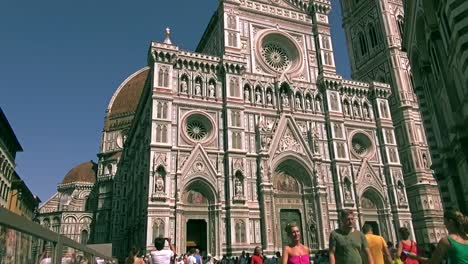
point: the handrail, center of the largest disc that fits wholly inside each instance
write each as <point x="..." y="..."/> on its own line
<point x="23" y="225"/>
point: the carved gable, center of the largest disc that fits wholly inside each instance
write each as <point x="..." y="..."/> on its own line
<point x="367" y="177"/>
<point x="198" y="164"/>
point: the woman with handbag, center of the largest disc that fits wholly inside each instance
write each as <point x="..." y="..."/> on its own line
<point x="406" y="246"/>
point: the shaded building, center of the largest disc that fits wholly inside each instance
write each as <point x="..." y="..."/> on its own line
<point x="9" y="146"/>
<point x="436" y="42"/>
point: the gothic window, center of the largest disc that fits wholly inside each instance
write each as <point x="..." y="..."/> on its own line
<point x="159" y="110"/>
<point x="235" y="118"/>
<point x="164" y="111"/>
<point x="236" y="140"/>
<point x="158" y="228"/>
<point x="325" y="42"/>
<point x="164" y="134"/>
<point x="163" y="77"/>
<point x="363" y="44"/>
<point x="158" y="133"/>
<point x="400" y="25"/>
<point x="232" y="41"/>
<point x="327" y="58"/>
<point x="341" y="150"/>
<point x="234" y="87"/>
<point x="373" y="35"/>
<point x="240" y="231"/>
<point x="160" y="77"/>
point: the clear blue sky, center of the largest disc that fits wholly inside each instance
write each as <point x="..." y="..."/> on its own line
<point x="61" y="61"/>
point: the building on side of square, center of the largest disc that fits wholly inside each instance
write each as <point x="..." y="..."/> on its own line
<point x="436" y="42"/>
<point x="252" y="131"/>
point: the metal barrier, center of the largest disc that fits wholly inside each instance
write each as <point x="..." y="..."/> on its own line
<point x="23" y="241"/>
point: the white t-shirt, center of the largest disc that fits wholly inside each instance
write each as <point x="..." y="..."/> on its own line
<point x="47" y="260"/>
<point x="161" y="256"/>
<point x="191" y="260"/>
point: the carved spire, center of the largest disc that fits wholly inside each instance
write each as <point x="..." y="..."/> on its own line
<point x="168" y="36"/>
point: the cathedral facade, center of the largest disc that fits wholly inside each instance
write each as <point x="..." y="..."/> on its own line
<point x="222" y="147"/>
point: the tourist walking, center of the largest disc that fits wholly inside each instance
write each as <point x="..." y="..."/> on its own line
<point x="197" y="256"/>
<point x="257" y="256"/>
<point x="377" y="246"/>
<point x="161" y="255"/>
<point x="406" y="246"/>
<point x="191" y="257"/>
<point x="243" y="259"/>
<point x="455" y="245"/>
<point x="295" y="252"/>
<point x="346" y="244"/>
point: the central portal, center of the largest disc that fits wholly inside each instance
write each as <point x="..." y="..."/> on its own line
<point x="196" y="235"/>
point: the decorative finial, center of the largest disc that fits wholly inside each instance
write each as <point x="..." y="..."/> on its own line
<point x="168" y="36"/>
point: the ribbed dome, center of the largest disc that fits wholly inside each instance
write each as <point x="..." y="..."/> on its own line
<point x="84" y="172"/>
<point x="126" y="98"/>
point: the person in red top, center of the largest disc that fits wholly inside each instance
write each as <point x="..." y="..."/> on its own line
<point x="406" y="247"/>
<point x="257" y="256"/>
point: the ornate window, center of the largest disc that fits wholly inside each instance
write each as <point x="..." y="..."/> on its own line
<point x="361" y="144"/>
<point x="198" y="127"/>
<point x="161" y="133"/>
<point x="373" y="35"/>
<point x="231" y="21"/>
<point x="363" y="44"/>
<point x="163" y="77"/>
<point x="276" y="57"/>
<point x="235" y="118"/>
<point x="236" y="140"/>
<point x="278" y="53"/>
<point x="240" y="231"/>
<point x="232" y="40"/>
<point x="234" y="87"/>
<point x="161" y="110"/>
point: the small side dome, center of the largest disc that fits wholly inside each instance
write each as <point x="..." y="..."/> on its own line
<point x="84" y="172"/>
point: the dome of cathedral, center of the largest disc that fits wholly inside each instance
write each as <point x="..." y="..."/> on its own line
<point x="84" y="172"/>
<point x="127" y="96"/>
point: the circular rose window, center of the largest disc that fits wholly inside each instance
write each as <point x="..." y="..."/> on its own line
<point x="198" y="127"/>
<point x="278" y="52"/>
<point x="361" y="144"/>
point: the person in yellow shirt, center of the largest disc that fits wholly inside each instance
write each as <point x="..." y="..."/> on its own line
<point x="377" y="246"/>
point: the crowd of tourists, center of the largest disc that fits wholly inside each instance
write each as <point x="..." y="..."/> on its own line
<point x="347" y="246"/>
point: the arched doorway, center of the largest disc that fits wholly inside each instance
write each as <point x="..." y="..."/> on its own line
<point x="198" y="216"/>
<point x="373" y="213"/>
<point x="294" y="201"/>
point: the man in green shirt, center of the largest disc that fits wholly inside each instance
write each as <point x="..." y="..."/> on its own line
<point x="348" y="245"/>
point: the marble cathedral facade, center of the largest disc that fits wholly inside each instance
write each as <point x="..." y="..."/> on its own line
<point x="222" y="147"/>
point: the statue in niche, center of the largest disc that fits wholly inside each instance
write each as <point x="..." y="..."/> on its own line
<point x="285" y="99"/>
<point x="197" y="88"/>
<point x="183" y="87"/>
<point x="298" y="103"/>
<point x="424" y="160"/>
<point x="347" y="191"/>
<point x="318" y="104"/>
<point x="238" y="187"/>
<point x="211" y="90"/>
<point x="258" y="97"/>
<point x="307" y="101"/>
<point x="247" y="95"/>
<point x="355" y="110"/>
<point x="400" y="194"/>
<point x="346" y="108"/>
<point x="365" y="111"/>
<point x="159" y="183"/>
<point x="269" y="98"/>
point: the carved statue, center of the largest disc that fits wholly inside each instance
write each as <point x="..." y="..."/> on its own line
<point x="211" y="90"/>
<point x="268" y="96"/>
<point x="159" y="184"/>
<point x="183" y="87"/>
<point x="247" y="95"/>
<point x="298" y="103"/>
<point x="400" y="194"/>
<point x="334" y="101"/>
<point x="355" y="110"/>
<point x="197" y="88"/>
<point x="365" y="112"/>
<point x="318" y="104"/>
<point x="238" y="187"/>
<point x="258" y="97"/>
<point x="284" y="96"/>
<point x="347" y="191"/>
<point x="307" y="101"/>
<point x="315" y="140"/>
<point x="346" y="108"/>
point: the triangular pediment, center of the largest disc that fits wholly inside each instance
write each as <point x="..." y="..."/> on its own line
<point x="288" y="138"/>
<point x="198" y="164"/>
<point x="367" y="177"/>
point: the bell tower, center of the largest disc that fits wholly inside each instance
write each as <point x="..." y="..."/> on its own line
<point x="374" y="29"/>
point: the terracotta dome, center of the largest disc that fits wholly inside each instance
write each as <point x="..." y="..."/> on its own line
<point x="84" y="172"/>
<point x="127" y="96"/>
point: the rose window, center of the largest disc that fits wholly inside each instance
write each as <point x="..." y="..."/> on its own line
<point x="198" y="127"/>
<point x="361" y="144"/>
<point x="276" y="57"/>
